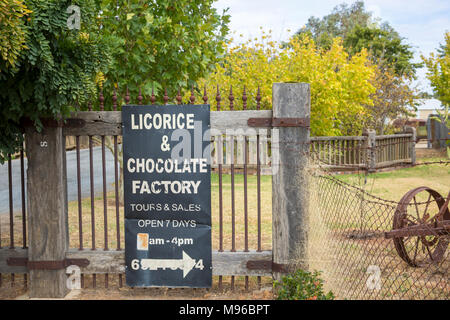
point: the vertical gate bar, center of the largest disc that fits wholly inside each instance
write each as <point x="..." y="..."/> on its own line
<point x="116" y="177"/>
<point x="11" y="207"/>
<point x="105" y="195"/>
<point x="127" y="101"/>
<point x="258" y="183"/>
<point x="80" y="209"/>
<point x="91" y="178"/>
<point x="233" y="209"/>
<point x="218" y="99"/>
<point x="24" y="223"/>
<point x="116" y="191"/>
<point x="24" y="210"/>
<point x="244" y="107"/>
<point x="11" y="212"/>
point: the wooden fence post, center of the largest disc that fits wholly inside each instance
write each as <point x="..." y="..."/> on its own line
<point x="412" y="146"/>
<point x="290" y="188"/>
<point x="47" y="207"/>
<point x="370" y="147"/>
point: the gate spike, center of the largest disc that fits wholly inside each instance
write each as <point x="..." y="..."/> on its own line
<point x="166" y="97"/>
<point x="114" y="99"/>
<point x="179" y="96"/>
<point x="244" y="100"/>
<point x="140" y="98"/>
<point x="218" y="98"/>
<point x="192" y="98"/>
<point x="153" y="98"/>
<point x="231" y="98"/>
<point x="205" y="96"/>
<point x="127" y="97"/>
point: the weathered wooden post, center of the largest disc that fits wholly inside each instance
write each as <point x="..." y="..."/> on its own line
<point x="412" y="144"/>
<point x="290" y="188"/>
<point x="370" y="147"/>
<point x="47" y="207"/>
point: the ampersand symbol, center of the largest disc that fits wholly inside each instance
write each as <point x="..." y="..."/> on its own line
<point x="164" y="145"/>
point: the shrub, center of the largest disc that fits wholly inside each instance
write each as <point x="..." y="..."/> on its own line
<point x="301" y="285"/>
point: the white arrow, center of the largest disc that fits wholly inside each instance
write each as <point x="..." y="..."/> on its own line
<point x="186" y="264"/>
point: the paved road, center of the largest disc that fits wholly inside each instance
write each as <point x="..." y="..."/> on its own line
<point x="72" y="191"/>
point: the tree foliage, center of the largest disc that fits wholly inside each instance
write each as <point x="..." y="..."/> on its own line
<point x="55" y="72"/>
<point x="438" y="73"/>
<point x="13" y="31"/>
<point x="359" y="29"/>
<point x="340" y="85"/>
<point x="161" y="43"/>
<point x="385" y="46"/>
<point x="339" y="23"/>
<point x="393" y="98"/>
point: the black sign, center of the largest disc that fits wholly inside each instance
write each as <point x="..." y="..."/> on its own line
<point x="167" y="184"/>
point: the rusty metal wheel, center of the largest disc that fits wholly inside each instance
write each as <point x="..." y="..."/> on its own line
<point x="421" y="207"/>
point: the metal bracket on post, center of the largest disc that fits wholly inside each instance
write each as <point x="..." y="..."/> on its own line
<point x="279" y="122"/>
<point x="46" y="265"/>
<point x="267" y="265"/>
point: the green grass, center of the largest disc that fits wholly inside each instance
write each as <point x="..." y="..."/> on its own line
<point x="394" y="184"/>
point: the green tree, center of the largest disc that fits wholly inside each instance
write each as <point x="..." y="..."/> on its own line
<point x="359" y="29"/>
<point x="56" y="71"/>
<point x="12" y="31"/>
<point x="385" y="46"/>
<point x="161" y="43"/>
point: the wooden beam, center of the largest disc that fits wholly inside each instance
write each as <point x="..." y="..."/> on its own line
<point x="113" y="262"/>
<point x="110" y="122"/>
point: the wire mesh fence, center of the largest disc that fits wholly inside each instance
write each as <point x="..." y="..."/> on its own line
<point x="349" y="244"/>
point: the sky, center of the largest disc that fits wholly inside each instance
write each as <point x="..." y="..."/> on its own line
<point x="421" y="22"/>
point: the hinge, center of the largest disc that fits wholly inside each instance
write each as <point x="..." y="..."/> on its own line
<point x="46" y="265"/>
<point x="268" y="266"/>
<point x="279" y="122"/>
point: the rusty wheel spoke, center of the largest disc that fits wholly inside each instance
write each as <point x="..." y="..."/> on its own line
<point x="422" y="226"/>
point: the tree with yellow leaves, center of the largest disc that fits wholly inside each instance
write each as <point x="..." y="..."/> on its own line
<point x="340" y="85"/>
<point x="12" y="31"/>
<point x="439" y="76"/>
<point x="439" y="72"/>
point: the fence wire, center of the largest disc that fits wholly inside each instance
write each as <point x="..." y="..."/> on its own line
<point x="348" y="243"/>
